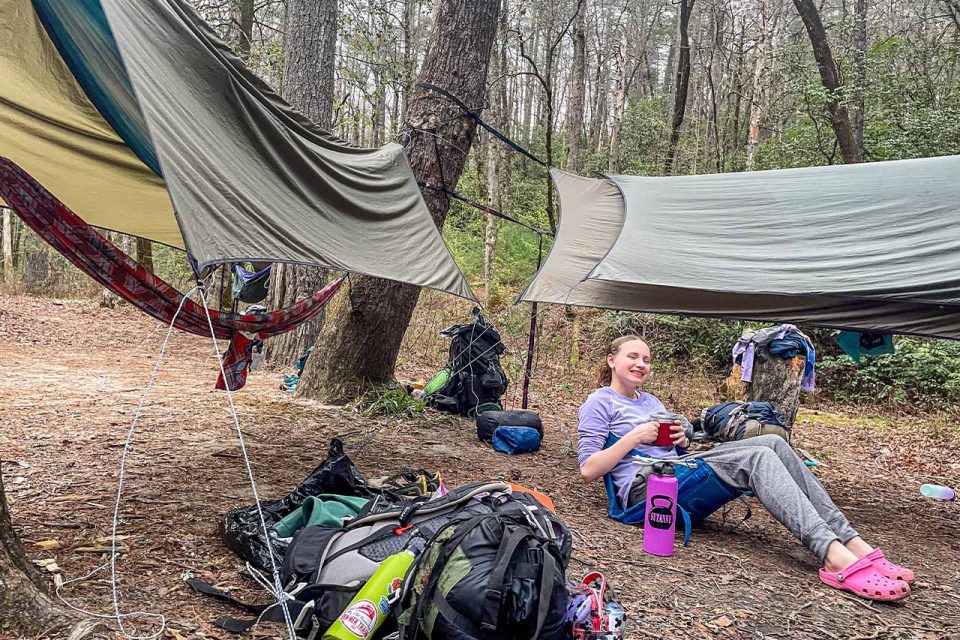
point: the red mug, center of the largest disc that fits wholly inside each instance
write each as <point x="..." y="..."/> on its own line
<point x="663" y="435"/>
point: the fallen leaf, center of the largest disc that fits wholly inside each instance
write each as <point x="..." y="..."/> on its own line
<point x="723" y="622"/>
<point x="46" y="545"/>
<point x="107" y="539"/>
<point x="727" y="578"/>
<point x="100" y="549"/>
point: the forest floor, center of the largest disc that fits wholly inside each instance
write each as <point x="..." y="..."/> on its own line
<point x="71" y="374"/>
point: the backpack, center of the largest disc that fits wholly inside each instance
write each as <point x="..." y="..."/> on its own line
<point x="741" y="420"/>
<point x="473" y="376"/>
<point x="325" y="567"/>
<point x="498" y="575"/>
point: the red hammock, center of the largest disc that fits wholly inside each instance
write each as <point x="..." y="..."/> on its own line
<point x="96" y="256"/>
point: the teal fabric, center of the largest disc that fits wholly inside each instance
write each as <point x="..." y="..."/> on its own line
<point x="80" y="32"/>
<point x="326" y="510"/>
<point x="856" y="344"/>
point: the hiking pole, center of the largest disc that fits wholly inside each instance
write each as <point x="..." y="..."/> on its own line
<point x="531" y="336"/>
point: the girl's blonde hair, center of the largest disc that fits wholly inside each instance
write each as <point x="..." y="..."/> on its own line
<point x="604" y="373"/>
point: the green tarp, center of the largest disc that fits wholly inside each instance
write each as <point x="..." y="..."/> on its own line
<point x="874" y="246"/>
<point x="94" y="91"/>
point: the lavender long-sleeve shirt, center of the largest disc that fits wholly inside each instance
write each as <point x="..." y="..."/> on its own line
<point x="606" y="411"/>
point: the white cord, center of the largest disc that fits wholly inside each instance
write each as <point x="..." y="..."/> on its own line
<point x="116" y="510"/>
<point x="278" y="587"/>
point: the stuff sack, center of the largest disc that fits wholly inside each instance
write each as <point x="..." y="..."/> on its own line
<point x="473" y="376"/>
<point x="740" y="420"/>
<point x="495" y="576"/>
<point x="513" y="440"/>
<point x="488" y="421"/>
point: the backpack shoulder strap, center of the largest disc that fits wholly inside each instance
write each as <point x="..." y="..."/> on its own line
<point x="512" y="537"/>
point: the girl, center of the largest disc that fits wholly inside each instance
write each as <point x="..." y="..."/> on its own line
<point x="765" y="465"/>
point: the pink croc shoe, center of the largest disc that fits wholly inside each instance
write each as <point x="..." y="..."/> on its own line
<point x="864" y="580"/>
<point x="887" y="568"/>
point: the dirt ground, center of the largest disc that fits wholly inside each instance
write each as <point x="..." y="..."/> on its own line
<point x="71" y="374"/>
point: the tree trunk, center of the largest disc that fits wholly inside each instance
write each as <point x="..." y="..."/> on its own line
<point x="759" y="73"/>
<point x="619" y="105"/>
<point x="498" y="155"/>
<point x="578" y="77"/>
<point x="308" y="80"/>
<point x="953" y="8"/>
<point x="778" y="381"/>
<point x="7" y="252"/>
<point x="860" y="72"/>
<point x="241" y="27"/>
<point x="25" y="606"/>
<point x="836" y="111"/>
<point x="359" y="344"/>
<point x="145" y="254"/>
<point x="682" y="85"/>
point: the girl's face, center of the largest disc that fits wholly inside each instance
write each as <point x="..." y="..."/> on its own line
<point x="630" y="365"/>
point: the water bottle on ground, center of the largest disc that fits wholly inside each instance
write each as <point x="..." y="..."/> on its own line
<point x="371" y="606"/>
<point x="938" y="492"/>
<point x="660" y="519"/>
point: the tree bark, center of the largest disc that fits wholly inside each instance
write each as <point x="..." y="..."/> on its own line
<point x="682" y="85"/>
<point x="498" y="155"/>
<point x="241" y="26"/>
<point x="308" y="80"/>
<point x="25" y="605"/>
<point x="953" y="8"/>
<point x="7" y="251"/>
<point x="359" y="344"/>
<point x="836" y="110"/>
<point x="145" y="254"/>
<point x="860" y="71"/>
<point x="759" y="75"/>
<point x="578" y="77"/>
<point x="619" y="105"/>
<point x="778" y="381"/>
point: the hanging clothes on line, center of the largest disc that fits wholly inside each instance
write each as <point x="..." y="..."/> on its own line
<point x="785" y="341"/>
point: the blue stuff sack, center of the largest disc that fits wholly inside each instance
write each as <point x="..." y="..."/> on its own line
<point x="516" y="439"/>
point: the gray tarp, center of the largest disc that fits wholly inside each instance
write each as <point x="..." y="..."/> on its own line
<point x="873" y="246"/>
<point x="248" y="177"/>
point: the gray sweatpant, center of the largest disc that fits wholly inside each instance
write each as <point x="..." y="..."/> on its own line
<point x="771" y="469"/>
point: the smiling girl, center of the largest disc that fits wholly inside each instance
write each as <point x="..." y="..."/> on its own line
<point x="764" y="465"/>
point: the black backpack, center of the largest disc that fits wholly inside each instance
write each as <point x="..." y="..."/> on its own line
<point x="497" y="576"/>
<point x="325" y="567"/>
<point x="475" y="377"/>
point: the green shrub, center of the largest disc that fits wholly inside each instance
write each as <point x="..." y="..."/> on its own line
<point x="390" y="402"/>
<point x="705" y="343"/>
<point x="923" y="374"/>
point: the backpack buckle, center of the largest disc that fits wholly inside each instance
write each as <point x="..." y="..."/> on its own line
<point x="305" y="617"/>
<point x="535" y="555"/>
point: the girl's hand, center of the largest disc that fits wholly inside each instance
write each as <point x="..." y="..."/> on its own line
<point x="678" y="436"/>
<point x="644" y="433"/>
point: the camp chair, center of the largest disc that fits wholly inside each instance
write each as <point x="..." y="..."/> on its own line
<point x="699" y="493"/>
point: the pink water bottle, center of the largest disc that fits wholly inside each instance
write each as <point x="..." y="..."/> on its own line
<point x="660" y="519"/>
